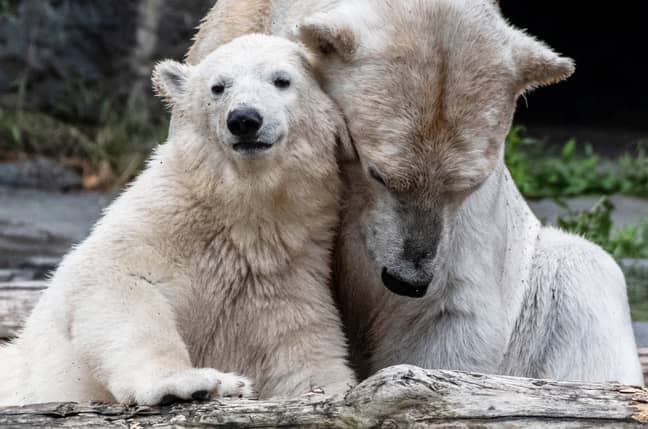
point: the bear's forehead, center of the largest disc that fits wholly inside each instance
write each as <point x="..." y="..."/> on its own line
<point x="255" y="48"/>
<point x="425" y="127"/>
<point x="250" y="62"/>
<point x="461" y="30"/>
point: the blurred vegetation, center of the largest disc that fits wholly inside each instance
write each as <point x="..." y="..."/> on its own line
<point x="541" y="172"/>
<point x="625" y="244"/>
<point x="596" y="225"/>
<point x="637" y="280"/>
<point x="110" y="151"/>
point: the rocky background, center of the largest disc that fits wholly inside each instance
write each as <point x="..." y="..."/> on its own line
<point x="76" y="114"/>
<point x="75" y="86"/>
<point x="69" y="56"/>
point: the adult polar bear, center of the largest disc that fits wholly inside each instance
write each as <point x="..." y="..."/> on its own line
<point x="429" y="88"/>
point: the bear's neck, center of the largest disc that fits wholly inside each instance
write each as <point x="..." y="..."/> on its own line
<point x="493" y="244"/>
<point x="264" y="227"/>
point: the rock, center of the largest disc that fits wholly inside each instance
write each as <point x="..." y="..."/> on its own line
<point x="71" y="57"/>
<point x="641" y="333"/>
<point x="39" y="173"/>
<point x="37" y="228"/>
<point x="59" y="48"/>
<point x="17" y="275"/>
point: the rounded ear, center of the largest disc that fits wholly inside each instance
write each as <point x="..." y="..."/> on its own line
<point x="537" y="64"/>
<point x="328" y="35"/>
<point x="170" y="80"/>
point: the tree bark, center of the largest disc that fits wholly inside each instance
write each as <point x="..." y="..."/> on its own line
<point x="394" y="397"/>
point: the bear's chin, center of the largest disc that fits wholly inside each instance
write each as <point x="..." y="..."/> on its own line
<point x="252" y="147"/>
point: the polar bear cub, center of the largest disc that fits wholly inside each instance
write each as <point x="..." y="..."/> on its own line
<point x="215" y="261"/>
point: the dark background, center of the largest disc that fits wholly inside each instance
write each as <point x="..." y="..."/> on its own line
<point x="609" y="92"/>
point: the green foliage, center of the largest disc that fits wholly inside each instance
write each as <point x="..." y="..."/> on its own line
<point x="637" y="280"/>
<point x="540" y="173"/>
<point x="596" y="225"/>
<point x="627" y="243"/>
<point x="631" y="175"/>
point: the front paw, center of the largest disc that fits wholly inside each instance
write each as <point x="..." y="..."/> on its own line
<point x="195" y="384"/>
<point x="234" y="386"/>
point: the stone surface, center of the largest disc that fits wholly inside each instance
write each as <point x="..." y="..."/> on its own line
<point x="55" y="49"/>
<point x="627" y="210"/>
<point x="38" y="227"/>
<point x="39" y="173"/>
<point x="68" y="57"/>
<point x="641" y="333"/>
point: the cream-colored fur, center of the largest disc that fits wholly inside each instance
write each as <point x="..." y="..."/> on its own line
<point x="212" y="260"/>
<point x="429" y="88"/>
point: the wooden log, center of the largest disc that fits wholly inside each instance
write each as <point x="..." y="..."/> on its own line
<point x="400" y="396"/>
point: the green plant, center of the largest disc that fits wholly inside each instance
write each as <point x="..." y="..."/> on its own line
<point x="637" y="281"/>
<point x="625" y="244"/>
<point x="516" y="157"/>
<point x="631" y="241"/>
<point x="596" y="225"/>
<point x="631" y="176"/>
<point x="542" y="173"/>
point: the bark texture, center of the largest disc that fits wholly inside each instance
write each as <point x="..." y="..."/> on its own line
<point x="395" y="397"/>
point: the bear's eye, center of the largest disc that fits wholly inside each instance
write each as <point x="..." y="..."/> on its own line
<point x="281" y="82"/>
<point x="218" y="89"/>
<point x="376" y="176"/>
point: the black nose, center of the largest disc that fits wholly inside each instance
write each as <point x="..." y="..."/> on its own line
<point x="402" y="287"/>
<point x="244" y="122"/>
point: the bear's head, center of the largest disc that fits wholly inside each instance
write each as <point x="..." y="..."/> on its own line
<point x="428" y="89"/>
<point x="253" y="109"/>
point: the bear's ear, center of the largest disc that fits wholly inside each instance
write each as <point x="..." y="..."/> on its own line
<point x="328" y="35"/>
<point x="170" y="80"/>
<point x="537" y="64"/>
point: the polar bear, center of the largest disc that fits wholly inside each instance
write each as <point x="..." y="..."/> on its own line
<point x="215" y="259"/>
<point x="440" y="262"/>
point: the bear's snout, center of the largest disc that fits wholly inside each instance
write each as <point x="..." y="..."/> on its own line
<point x="244" y="122"/>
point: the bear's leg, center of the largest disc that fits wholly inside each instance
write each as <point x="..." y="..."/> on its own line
<point x="578" y="322"/>
<point x="307" y="346"/>
<point x="126" y="333"/>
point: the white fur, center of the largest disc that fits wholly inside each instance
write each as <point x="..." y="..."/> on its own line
<point x="521" y="300"/>
<point x="429" y="90"/>
<point x="210" y="259"/>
